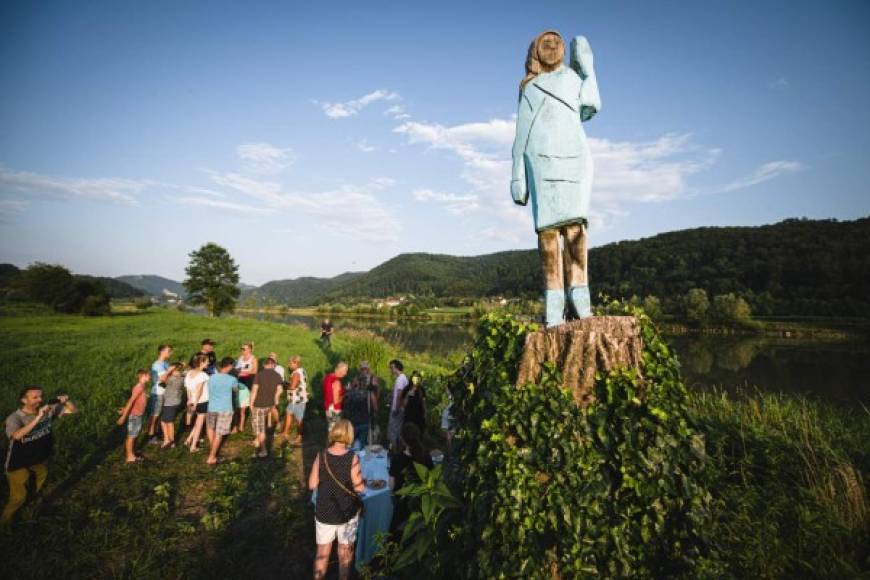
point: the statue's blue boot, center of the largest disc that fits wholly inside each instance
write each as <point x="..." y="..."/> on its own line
<point x="580" y="301"/>
<point x="555" y="307"/>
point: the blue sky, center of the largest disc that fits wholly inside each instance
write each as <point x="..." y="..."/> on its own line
<point x="312" y="139"/>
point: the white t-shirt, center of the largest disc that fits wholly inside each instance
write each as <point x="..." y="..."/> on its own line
<point x="280" y="370"/>
<point x="192" y="380"/>
<point x="398" y="387"/>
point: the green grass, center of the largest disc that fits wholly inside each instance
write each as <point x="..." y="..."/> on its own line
<point x="788" y="474"/>
<point x="788" y="482"/>
<point x="173" y="516"/>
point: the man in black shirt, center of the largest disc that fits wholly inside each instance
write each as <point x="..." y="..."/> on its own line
<point x="30" y="444"/>
<point x="207" y="349"/>
<point x="326" y="332"/>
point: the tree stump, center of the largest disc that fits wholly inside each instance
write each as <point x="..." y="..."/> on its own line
<point x="580" y="348"/>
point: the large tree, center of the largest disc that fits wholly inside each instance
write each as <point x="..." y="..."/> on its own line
<point x="212" y="279"/>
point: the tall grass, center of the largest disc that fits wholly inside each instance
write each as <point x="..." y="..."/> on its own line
<point x="789" y="485"/>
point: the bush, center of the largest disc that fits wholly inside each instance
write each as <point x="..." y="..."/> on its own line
<point x="143" y="303"/>
<point x="614" y="490"/>
<point x="57" y="287"/>
<point x="96" y="305"/>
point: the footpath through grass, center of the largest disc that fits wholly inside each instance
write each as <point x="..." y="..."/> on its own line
<point x="172" y="516"/>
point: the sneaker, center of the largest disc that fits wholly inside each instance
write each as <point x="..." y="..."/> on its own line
<point x="262" y="453"/>
<point x="154" y="440"/>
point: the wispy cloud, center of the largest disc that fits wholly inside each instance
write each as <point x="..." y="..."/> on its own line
<point x="226" y="205"/>
<point x="397" y="112"/>
<point x="455" y="204"/>
<point x="364" y="146"/>
<point x="349" y="108"/>
<point x="263" y="158"/>
<point x="111" y="189"/>
<point x="350" y="211"/>
<point x="382" y="182"/>
<point x="765" y="172"/>
<point x="11" y="209"/>
<point x="778" y="83"/>
<point x="625" y="171"/>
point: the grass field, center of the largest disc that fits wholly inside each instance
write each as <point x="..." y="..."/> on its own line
<point x="788" y="474"/>
<point x="171" y="517"/>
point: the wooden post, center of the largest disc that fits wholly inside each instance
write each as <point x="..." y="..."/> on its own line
<point x="580" y="348"/>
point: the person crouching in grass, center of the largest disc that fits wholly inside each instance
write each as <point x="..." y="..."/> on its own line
<point x="220" y="407"/>
<point x="133" y="414"/>
<point x="30" y="444"/>
<point x="264" y="397"/>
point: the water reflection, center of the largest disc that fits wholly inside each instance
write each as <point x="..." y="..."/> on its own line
<point x="835" y="371"/>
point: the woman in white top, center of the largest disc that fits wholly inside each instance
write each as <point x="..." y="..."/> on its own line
<point x="246" y="370"/>
<point x="196" y="384"/>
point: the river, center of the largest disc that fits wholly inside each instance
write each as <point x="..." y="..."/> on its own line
<point x="832" y="370"/>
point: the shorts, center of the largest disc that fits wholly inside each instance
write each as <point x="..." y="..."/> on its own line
<point x="134" y="425"/>
<point x="297" y="410"/>
<point x="244" y="397"/>
<point x="156" y="404"/>
<point x="169" y="413"/>
<point x="345" y="533"/>
<point x="219" y="422"/>
<point x="258" y="419"/>
<point x="202" y="408"/>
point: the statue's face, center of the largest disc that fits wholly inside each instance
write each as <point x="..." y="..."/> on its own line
<point x="550" y="50"/>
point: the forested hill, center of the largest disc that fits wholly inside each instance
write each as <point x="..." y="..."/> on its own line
<point x="505" y="273"/>
<point x="299" y="291"/>
<point x="795" y="267"/>
<point x="153" y="285"/>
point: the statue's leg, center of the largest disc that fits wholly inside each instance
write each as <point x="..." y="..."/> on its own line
<point x="550" y="249"/>
<point x="576" y="271"/>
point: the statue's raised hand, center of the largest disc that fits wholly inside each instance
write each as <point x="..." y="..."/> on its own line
<point x="581" y="56"/>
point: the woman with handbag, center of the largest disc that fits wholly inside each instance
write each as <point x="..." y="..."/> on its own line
<point x="337" y="478"/>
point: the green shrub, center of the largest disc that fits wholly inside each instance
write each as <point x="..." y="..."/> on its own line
<point x="615" y="490"/>
<point x="96" y="305"/>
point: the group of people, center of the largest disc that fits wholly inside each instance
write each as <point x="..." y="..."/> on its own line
<point x="336" y="475"/>
<point x="218" y="396"/>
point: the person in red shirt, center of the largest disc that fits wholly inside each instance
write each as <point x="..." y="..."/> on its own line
<point x="132" y="414"/>
<point x="333" y="394"/>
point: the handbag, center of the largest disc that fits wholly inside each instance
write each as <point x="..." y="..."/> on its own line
<point x="358" y="503"/>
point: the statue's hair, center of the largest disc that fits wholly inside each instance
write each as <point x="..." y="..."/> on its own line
<point x="534" y="66"/>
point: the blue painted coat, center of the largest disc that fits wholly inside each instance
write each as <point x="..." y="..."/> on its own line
<point x="551" y="159"/>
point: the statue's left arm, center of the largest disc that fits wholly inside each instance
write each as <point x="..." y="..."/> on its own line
<point x="582" y="63"/>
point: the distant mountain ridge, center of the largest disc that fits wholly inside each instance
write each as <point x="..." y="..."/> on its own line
<point x="298" y="292"/>
<point x="153" y="285"/>
<point x="794" y="267"/>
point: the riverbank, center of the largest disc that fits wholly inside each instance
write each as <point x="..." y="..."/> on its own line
<point x="797" y="327"/>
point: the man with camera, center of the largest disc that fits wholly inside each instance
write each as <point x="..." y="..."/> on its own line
<point x="30" y="444"/>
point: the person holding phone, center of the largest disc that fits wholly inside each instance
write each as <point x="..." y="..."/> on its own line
<point x="30" y="444"/>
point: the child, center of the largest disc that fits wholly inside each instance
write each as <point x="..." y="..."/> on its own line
<point x="133" y="413"/>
